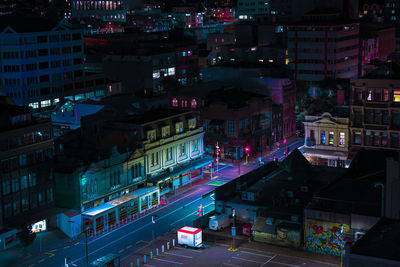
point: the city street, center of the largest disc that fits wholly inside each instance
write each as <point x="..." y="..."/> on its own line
<point x="128" y="238"/>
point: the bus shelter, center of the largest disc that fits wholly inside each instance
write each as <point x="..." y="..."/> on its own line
<point x="120" y="209"/>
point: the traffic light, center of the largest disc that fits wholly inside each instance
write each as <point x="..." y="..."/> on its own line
<point x="247" y="149"/>
<point x="200" y="210"/>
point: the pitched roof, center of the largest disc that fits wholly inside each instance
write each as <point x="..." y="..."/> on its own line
<point x="296" y="162"/>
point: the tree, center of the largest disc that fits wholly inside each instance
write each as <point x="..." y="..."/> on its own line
<point x="26" y="236"/>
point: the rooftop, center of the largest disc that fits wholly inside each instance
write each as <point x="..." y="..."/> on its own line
<point x="155" y="115"/>
<point x="23" y="23"/>
<point x="381" y="241"/>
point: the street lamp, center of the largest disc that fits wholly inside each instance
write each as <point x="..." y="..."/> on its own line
<point x="247" y="150"/>
<point x="233" y="230"/>
<point x="153" y="222"/>
<point x="217" y="147"/>
<point x="87" y="254"/>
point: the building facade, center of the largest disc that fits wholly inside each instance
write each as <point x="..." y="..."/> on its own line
<point x="37" y="57"/>
<point x="326" y="140"/>
<point x="27" y="185"/>
<point x="320" y="47"/>
<point x="375" y="114"/>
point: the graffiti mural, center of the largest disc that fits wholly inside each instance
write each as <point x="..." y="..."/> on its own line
<point x="325" y="237"/>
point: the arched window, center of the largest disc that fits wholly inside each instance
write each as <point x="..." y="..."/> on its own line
<point x="194" y="103"/>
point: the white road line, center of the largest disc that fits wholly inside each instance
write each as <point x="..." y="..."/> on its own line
<point x="268" y="260"/>
<point x="286" y="264"/>
<point x="262" y="255"/>
<point x="230" y="264"/>
<point x="190" y="214"/>
<point x="169" y="253"/>
<point x="149" y="265"/>
<point x="191" y="250"/>
<point x="174" y="262"/>
<point x="238" y="258"/>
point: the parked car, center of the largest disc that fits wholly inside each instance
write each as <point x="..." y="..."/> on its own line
<point x="219" y="222"/>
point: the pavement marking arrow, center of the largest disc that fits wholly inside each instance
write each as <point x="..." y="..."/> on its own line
<point x="51" y="254"/>
<point x="77" y="243"/>
<point x="129" y="246"/>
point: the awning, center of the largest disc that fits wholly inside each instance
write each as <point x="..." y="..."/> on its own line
<point x="144" y="191"/>
<point x="194" y="164"/>
<point x="326" y="154"/>
<point x="99" y="209"/>
<point x="123" y="199"/>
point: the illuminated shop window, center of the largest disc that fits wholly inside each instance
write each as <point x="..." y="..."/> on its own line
<point x="323" y="137"/>
<point x="342" y="139"/>
<point x="156" y="75"/>
<point x="396" y="96"/>
<point x="331" y="136"/>
<point x="171" y="71"/>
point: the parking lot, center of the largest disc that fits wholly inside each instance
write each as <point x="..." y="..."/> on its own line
<point x="219" y="255"/>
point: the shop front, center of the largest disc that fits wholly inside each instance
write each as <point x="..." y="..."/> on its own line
<point x="108" y="215"/>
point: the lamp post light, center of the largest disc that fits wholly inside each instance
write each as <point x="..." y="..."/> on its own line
<point x="87" y="254"/>
<point x="217" y="152"/>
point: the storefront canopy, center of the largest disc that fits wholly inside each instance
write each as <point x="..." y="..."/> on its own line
<point x="99" y="209"/>
<point x="194" y="164"/>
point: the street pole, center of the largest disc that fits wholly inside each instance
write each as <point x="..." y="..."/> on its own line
<point x="87" y="254"/>
<point x="233" y="226"/>
<point x="341" y="251"/>
<point x="152" y="232"/>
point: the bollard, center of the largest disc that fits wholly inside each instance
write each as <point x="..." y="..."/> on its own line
<point x="137" y="262"/>
<point x="144" y="259"/>
<point x="167" y="245"/>
<point x="173" y="242"/>
<point x="156" y="251"/>
<point x="131" y="264"/>
<point x="151" y="255"/>
<point x="162" y="248"/>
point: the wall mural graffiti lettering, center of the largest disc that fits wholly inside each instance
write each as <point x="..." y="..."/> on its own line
<point x="325" y="237"/>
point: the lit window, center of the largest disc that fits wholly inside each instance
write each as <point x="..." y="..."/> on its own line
<point x="56" y="100"/>
<point x="396" y="96"/>
<point x="174" y="102"/>
<point x="156" y="75"/>
<point x="369" y="97"/>
<point x="171" y="71"/>
<point x="194" y="103"/>
<point x="34" y="104"/>
<point x="385" y="95"/>
<point x="45" y="103"/>
<point x="189" y="53"/>
<point x="331" y="136"/>
<point x="323" y="137"/>
<point x="342" y="139"/>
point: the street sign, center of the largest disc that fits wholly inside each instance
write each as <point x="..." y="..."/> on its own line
<point x="233" y="231"/>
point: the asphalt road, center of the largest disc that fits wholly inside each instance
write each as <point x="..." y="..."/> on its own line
<point x="134" y="235"/>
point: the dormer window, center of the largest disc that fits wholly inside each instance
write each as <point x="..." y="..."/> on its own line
<point x="179" y="127"/>
<point x="192" y="123"/>
<point x="151" y="135"/>
<point x="165" y="131"/>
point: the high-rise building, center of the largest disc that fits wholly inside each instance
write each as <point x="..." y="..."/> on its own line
<point x="323" y="45"/>
<point x="36" y="55"/>
<point x="26" y="173"/>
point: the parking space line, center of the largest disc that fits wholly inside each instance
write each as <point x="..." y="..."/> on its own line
<point x="251" y="253"/>
<point x="268" y="260"/>
<point x="230" y="264"/>
<point x="174" y="262"/>
<point x="169" y="253"/>
<point x="238" y="258"/>
<point x="286" y="264"/>
<point x="191" y="250"/>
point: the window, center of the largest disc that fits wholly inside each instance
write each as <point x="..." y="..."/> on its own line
<point x="171" y="71"/>
<point x="367" y="138"/>
<point x="206" y="125"/>
<point x="41" y="198"/>
<point x="331" y="138"/>
<point x="385" y="95"/>
<point x="384" y="139"/>
<point x="394" y="140"/>
<point x="369" y="96"/>
<point x="184" y="103"/>
<point x="151" y="135"/>
<point x="32" y="179"/>
<point x="6" y="187"/>
<point x="377" y="139"/>
<point x="179" y="127"/>
<point x="174" y="102"/>
<point x="194" y="103"/>
<point x="342" y="139"/>
<point x="231" y="127"/>
<point x="246" y="123"/>
<point x="24" y="182"/>
<point x="195" y="145"/>
<point x="76" y="36"/>
<point x="165" y="131"/>
<point x="323" y="137"/>
<point x="396" y="96"/>
<point x="15" y="185"/>
<point x="181" y="149"/>
<point x="43" y="52"/>
<point x="357" y="138"/>
<point x="156" y="75"/>
<point x="7" y="210"/>
<point x="16" y="207"/>
<point x="168" y="154"/>
<point x="192" y="123"/>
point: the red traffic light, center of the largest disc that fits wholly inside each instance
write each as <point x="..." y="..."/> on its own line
<point x="247" y="149"/>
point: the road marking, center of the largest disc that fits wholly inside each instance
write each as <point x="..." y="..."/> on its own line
<point x="42" y="260"/>
<point x="268" y="260"/>
<point x="149" y="265"/>
<point x="122" y="250"/>
<point x="192" y="250"/>
<point x="190" y="214"/>
<point x="286" y="264"/>
<point x="238" y="258"/>
<point x="53" y="250"/>
<point x="251" y="253"/>
<point x="129" y="246"/>
<point x="51" y="254"/>
<point x="230" y="264"/>
<point x="174" y="262"/>
<point x="143" y="241"/>
<point x="77" y="243"/>
<point x="30" y="265"/>
<point x="66" y="247"/>
<point x="189" y="257"/>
